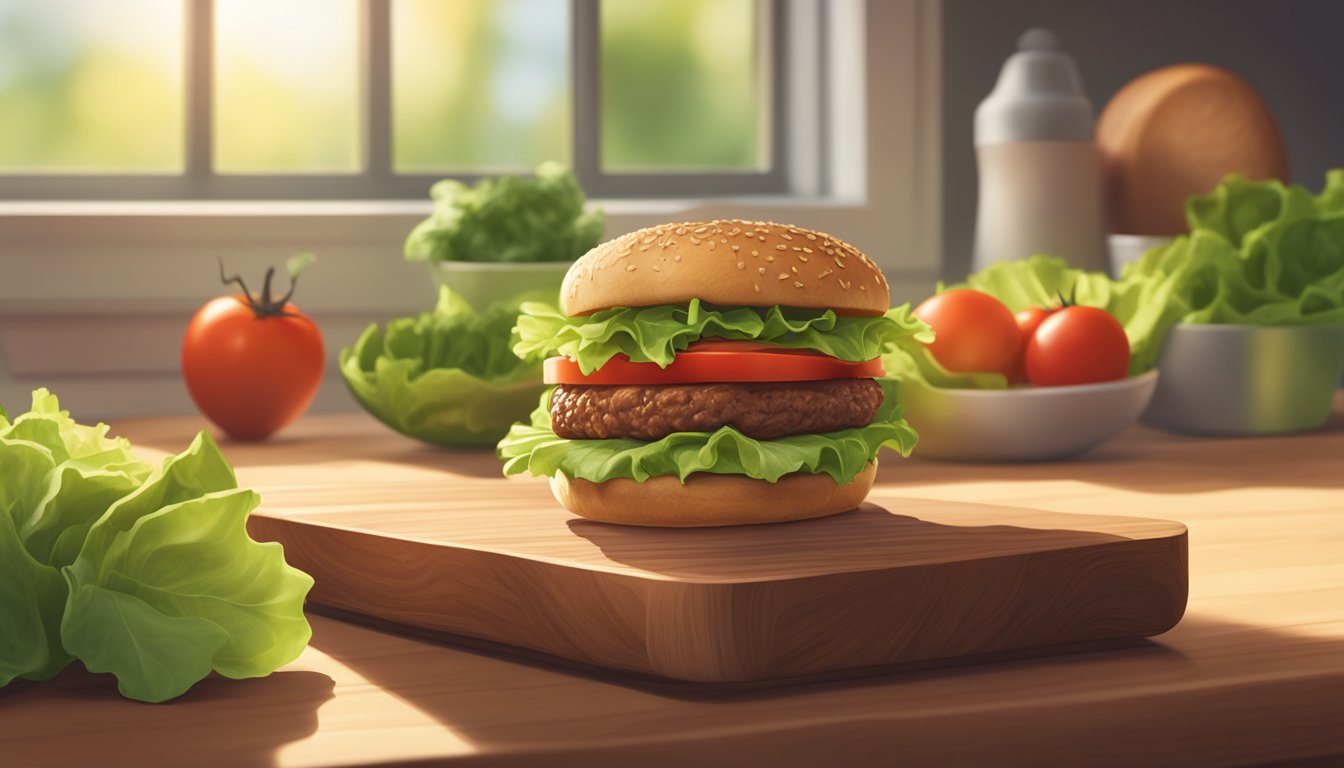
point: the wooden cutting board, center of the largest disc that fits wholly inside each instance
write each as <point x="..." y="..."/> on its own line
<point x="439" y="542"/>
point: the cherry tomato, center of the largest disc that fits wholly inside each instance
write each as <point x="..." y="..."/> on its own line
<point x="706" y="365"/>
<point x="1077" y="345"/>
<point x="1028" y="320"/>
<point x="251" y="372"/>
<point x="974" y="332"/>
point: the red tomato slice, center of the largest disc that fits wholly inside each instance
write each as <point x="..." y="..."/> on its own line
<point x="702" y="367"/>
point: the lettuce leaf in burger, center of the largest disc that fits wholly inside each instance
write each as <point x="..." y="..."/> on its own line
<point x="714" y="373"/>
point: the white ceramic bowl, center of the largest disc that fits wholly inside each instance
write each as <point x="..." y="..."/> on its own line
<point x="1022" y="424"/>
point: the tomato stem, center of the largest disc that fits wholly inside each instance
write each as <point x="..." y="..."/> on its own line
<point x="263" y="306"/>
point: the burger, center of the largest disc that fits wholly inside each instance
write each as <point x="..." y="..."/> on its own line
<point x="713" y="373"/>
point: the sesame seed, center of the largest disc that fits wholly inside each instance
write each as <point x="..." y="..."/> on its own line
<point x="761" y="270"/>
<point x="695" y="240"/>
<point x="676" y="257"/>
<point x="741" y="265"/>
<point x="723" y="240"/>
<point x="735" y="231"/>
<point x="876" y="280"/>
<point x="711" y="245"/>
<point x="769" y="257"/>
<point x="783" y="275"/>
<point x="863" y="287"/>
<point x="796" y="248"/>
<point x="825" y="273"/>
<point x="839" y="263"/>
<point x="801" y="257"/>
<point x="701" y="230"/>
<point x="781" y="247"/>
<point x="630" y="267"/>
<point x="643" y="247"/>
<point x="736" y="248"/>
<point x="794" y="270"/>
<point x="797" y="284"/>
<point x="657" y="268"/>
<point x="807" y="250"/>
<point x="650" y="239"/>
<point x="757" y="287"/>
<point x="785" y="235"/>
<point x="844" y="283"/>
<point x="681" y="230"/>
<point x="811" y="236"/>
<point x="755" y="253"/>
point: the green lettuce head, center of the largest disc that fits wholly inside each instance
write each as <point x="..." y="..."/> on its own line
<point x="508" y="219"/>
<point x="1258" y="253"/>
<point x="656" y="334"/>
<point x="145" y="573"/>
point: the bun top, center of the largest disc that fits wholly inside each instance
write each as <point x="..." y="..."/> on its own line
<point x="728" y="262"/>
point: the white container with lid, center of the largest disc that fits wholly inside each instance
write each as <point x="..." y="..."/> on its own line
<point x="1040" y="174"/>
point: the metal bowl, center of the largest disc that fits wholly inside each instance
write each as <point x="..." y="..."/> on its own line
<point x="1024" y="424"/>
<point x="1247" y="379"/>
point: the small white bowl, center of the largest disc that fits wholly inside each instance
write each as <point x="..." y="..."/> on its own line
<point x="1022" y="424"/>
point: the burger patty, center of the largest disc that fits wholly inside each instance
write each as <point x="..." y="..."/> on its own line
<point x="764" y="411"/>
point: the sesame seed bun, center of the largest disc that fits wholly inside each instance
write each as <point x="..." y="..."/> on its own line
<point x="711" y="500"/>
<point x="728" y="262"/>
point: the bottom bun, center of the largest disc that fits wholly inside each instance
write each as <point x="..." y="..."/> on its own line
<point x="708" y="499"/>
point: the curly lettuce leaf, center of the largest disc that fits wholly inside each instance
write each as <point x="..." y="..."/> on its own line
<point x="1258" y="253"/>
<point x="148" y="574"/>
<point x="914" y="362"/>
<point x="656" y="334"/>
<point x="446" y="377"/>
<point x="842" y="454"/>
<point x="169" y="586"/>
<point x="58" y="477"/>
<point x="508" y="219"/>
<point x="31" y="592"/>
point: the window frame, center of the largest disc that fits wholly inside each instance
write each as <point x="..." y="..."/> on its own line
<point x="111" y="284"/>
<point x="377" y="178"/>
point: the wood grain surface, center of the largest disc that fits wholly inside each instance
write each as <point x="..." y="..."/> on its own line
<point x="1253" y="674"/>
<point x="899" y="580"/>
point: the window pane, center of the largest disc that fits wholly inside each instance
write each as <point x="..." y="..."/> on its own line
<point x="287" y="86"/>
<point x="88" y="85"/>
<point x="479" y="84"/>
<point x="681" y="85"/>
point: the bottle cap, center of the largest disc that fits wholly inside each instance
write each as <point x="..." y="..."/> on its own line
<point x="1038" y="97"/>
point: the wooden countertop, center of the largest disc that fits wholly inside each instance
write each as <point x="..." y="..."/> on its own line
<point x="1254" y="672"/>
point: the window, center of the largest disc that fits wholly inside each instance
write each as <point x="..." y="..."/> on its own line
<point x="366" y="99"/>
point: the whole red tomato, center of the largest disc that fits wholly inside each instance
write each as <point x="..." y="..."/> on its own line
<point x="974" y="332"/>
<point x="1077" y="345"/>
<point x="252" y="364"/>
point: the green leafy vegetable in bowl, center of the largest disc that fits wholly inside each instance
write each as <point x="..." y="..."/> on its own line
<point x="508" y="219"/>
<point x="446" y="377"/>
<point x="147" y="573"/>
<point x="1258" y="253"/>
